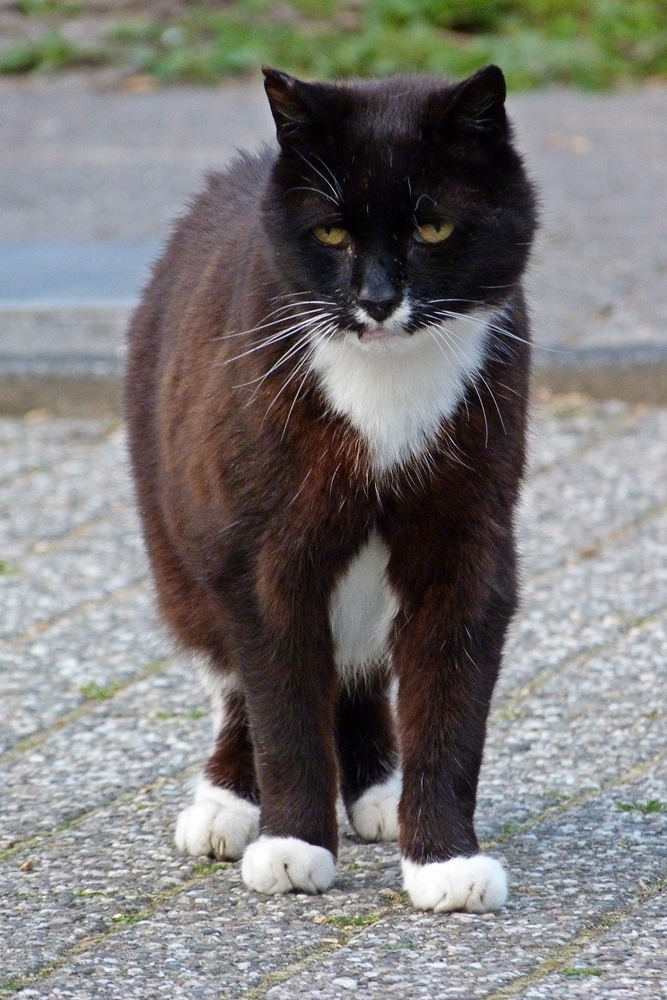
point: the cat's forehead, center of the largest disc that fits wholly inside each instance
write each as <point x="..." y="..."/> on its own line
<point x="389" y="114"/>
<point x="381" y="134"/>
<point x="389" y="144"/>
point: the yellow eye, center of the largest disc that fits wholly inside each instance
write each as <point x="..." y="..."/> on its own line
<point x="434" y="232"/>
<point x="332" y="236"/>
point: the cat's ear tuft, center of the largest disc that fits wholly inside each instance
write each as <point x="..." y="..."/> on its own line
<point x="288" y="102"/>
<point x="479" y="102"/>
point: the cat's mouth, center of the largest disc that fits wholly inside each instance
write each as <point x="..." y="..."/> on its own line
<point x="380" y="333"/>
<point x="387" y="331"/>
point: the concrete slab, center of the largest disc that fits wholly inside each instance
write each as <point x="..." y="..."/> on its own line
<point x="105" y="731"/>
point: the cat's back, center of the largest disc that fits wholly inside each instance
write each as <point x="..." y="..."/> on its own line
<point x="221" y="222"/>
<point x="195" y="282"/>
<point x="210" y="245"/>
<point x="229" y="197"/>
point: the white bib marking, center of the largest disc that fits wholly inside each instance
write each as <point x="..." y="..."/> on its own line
<point x="395" y="391"/>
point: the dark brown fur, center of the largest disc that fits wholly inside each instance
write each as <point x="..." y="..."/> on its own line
<point x="252" y="509"/>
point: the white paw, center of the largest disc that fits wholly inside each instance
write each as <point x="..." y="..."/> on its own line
<point x="218" y="822"/>
<point x="374" y="815"/>
<point x="285" y="864"/>
<point x="477" y="884"/>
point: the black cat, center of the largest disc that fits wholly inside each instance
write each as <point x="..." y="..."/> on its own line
<point x="326" y="400"/>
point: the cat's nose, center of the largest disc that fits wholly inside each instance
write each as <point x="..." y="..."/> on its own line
<point x="378" y="295"/>
<point x="379" y="309"/>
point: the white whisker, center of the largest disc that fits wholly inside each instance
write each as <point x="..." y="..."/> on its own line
<point x="336" y="193"/>
<point x="280" y="319"/>
<point x="298" y="367"/>
<point x="293" y="349"/>
<point x="449" y="337"/>
<point x="322" y="194"/>
<point x="282" y="334"/>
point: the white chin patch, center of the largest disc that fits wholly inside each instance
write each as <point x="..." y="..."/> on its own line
<point x="284" y="864"/>
<point x="218" y="822"/>
<point x="374" y="815"/>
<point x="477" y="884"/>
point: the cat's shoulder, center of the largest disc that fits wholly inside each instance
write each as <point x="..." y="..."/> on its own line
<point x="225" y="211"/>
<point x="239" y="183"/>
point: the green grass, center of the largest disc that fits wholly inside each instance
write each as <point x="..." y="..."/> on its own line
<point x="50" y="52"/>
<point x="588" y="43"/>
<point x="61" y="8"/>
<point x="11" y="986"/>
<point x="93" y="692"/>
<point x="122" y="919"/>
<point x="208" y="867"/>
<point x="93" y="892"/>
<point x="582" y="972"/>
<point x="653" y="806"/>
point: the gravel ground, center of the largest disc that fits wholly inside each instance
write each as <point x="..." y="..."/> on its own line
<point x="103" y="729"/>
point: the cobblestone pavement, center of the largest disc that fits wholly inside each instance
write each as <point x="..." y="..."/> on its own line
<point x="103" y="729"/>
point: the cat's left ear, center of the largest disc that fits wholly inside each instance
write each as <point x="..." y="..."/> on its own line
<point x="291" y="103"/>
<point x="478" y="103"/>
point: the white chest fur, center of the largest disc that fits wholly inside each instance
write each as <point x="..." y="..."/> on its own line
<point x="396" y="393"/>
<point x="362" y="609"/>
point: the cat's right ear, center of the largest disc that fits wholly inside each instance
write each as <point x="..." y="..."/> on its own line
<point x="288" y="98"/>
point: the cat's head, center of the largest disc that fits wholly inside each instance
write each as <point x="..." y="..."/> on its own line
<point x="396" y="203"/>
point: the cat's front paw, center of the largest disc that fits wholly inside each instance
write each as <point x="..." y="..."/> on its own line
<point x="218" y="823"/>
<point x="477" y="884"/>
<point x="374" y="815"/>
<point x="284" y="864"/>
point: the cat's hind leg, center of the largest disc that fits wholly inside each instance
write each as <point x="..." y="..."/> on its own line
<point x="224" y="817"/>
<point x="370" y="780"/>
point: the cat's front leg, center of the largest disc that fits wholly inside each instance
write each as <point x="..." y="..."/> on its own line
<point x="290" y="683"/>
<point x="447" y="662"/>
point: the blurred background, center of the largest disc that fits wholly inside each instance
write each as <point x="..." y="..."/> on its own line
<point x="111" y="111"/>
<point x="590" y="43"/>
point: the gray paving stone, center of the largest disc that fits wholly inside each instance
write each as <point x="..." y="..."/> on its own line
<point x="92" y="804"/>
<point x="105" y="558"/>
<point x="629" y="961"/>
<point x="586" y="604"/>
<point x="577" y="733"/>
<point x="39" y="444"/>
<point x="43" y="502"/>
<point x="560" y="430"/>
<point x="103" y="645"/>
<point x="568" y="876"/>
<point x="130" y="844"/>
<point x="145" y="732"/>
<point x="603" y="490"/>
<point x="109" y="869"/>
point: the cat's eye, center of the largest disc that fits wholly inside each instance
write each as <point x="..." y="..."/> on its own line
<point x="331" y="236"/>
<point x="433" y="232"/>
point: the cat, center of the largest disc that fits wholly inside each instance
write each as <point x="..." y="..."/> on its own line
<point x="326" y="402"/>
